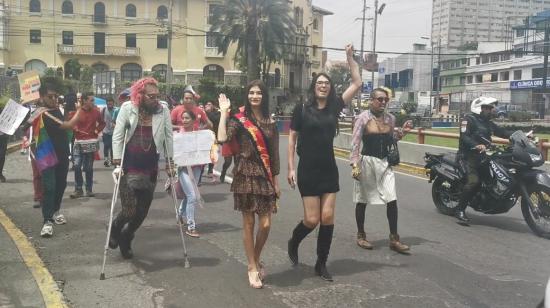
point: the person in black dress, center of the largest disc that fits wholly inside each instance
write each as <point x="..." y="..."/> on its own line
<point x="312" y="130"/>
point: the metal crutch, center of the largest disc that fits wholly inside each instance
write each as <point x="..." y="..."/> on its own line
<point x="173" y="193"/>
<point x="113" y="202"/>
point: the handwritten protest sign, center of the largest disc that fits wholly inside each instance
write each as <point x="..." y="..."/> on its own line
<point x="193" y="148"/>
<point x="11" y="117"/>
<point x="29" y="83"/>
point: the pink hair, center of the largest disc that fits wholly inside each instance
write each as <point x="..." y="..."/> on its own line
<point x="138" y="88"/>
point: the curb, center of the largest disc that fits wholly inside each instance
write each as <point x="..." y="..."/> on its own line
<point x="402" y="167"/>
<point x="51" y="294"/>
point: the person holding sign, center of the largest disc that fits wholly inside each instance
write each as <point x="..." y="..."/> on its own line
<point x="143" y="125"/>
<point x="51" y="153"/>
<point x="255" y="186"/>
<point x="312" y="130"/>
<point x="188" y="179"/>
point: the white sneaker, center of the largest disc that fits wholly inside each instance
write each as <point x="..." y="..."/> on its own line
<point x="47" y="229"/>
<point x="59" y="219"/>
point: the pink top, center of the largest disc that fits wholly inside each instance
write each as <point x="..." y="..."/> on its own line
<point x="359" y="129"/>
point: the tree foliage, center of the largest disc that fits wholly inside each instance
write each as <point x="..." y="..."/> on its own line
<point x="340" y="76"/>
<point x="262" y="29"/>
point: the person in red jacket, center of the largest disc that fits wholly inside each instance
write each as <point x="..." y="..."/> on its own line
<point x="86" y="143"/>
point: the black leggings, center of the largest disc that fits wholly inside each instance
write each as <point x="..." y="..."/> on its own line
<point x="391" y="213"/>
<point x="3" y="151"/>
<point x="135" y="206"/>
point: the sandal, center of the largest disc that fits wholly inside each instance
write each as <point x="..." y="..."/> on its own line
<point x="254" y="280"/>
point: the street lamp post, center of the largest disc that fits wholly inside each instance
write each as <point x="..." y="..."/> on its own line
<point x="377" y="11"/>
<point x="431" y="71"/>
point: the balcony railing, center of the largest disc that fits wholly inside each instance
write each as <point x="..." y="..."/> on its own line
<point x="85" y="50"/>
<point x="212" y="52"/>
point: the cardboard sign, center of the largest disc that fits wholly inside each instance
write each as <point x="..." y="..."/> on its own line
<point x="11" y="117"/>
<point x="29" y="84"/>
<point x="193" y="148"/>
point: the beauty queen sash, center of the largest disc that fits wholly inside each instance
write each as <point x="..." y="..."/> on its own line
<point x="259" y="140"/>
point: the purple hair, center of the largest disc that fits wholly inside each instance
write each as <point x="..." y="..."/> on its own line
<point x="138" y="88"/>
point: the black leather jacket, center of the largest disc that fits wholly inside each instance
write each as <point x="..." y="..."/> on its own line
<point x="476" y="130"/>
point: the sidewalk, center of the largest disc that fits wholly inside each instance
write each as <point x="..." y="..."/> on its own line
<point x="17" y="285"/>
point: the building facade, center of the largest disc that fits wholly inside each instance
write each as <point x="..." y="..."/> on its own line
<point x="130" y="38"/>
<point x="407" y="74"/>
<point x="458" y="23"/>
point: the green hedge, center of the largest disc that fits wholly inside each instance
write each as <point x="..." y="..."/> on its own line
<point x="519" y="116"/>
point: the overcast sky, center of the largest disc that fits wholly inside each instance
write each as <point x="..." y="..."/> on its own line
<point x="401" y="24"/>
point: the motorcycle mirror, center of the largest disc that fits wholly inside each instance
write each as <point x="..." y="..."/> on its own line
<point x="529" y="133"/>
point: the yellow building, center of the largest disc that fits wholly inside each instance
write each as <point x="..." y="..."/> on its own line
<point x="130" y="38"/>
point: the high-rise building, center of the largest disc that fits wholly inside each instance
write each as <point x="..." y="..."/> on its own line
<point x="457" y="23"/>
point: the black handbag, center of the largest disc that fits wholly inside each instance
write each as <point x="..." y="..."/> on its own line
<point x="393" y="154"/>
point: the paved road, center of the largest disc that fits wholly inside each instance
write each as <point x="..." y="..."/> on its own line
<point x="497" y="262"/>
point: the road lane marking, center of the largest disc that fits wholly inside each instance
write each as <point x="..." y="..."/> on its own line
<point x="51" y="294"/>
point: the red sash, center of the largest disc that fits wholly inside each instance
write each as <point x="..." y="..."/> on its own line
<point x="259" y="141"/>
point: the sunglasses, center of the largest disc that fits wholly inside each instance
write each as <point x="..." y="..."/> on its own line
<point x="152" y="96"/>
<point x="382" y="99"/>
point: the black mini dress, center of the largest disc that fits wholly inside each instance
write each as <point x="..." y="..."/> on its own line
<point x="317" y="170"/>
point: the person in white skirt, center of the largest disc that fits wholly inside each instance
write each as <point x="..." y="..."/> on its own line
<point x="375" y="180"/>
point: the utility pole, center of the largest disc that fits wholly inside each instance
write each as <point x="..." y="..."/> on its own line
<point x="169" y="68"/>
<point x="438" y="73"/>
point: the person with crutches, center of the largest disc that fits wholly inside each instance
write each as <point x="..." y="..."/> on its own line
<point x="143" y="130"/>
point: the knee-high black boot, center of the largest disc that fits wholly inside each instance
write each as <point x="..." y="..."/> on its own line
<point x="125" y="243"/>
<point x="299" y="233"/>
<point x="323" y="248"/>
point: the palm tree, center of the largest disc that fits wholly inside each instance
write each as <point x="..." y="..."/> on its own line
<point x="262" y="29"/>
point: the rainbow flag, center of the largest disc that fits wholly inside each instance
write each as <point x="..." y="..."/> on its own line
<point x="45" y="156"/>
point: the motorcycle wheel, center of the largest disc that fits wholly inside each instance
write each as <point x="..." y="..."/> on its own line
<point x="538" y="216"/>
<point x="442" y="192"/>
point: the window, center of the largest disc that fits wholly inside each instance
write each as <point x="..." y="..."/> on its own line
<point x="100" y="67"/>
<point x="162" y="12"/>
<point x="469" y="79"/>
<point x="131" y="40"/>
<point x="67" y="37"/>
<point x="99" y="42"/>
<point x="162" y="41"/>
<point x="214" y="72"/>
<point x="99" y="12"/>
<point x="211" y="40"/>
<point x="478" y="61"/>
<point x="504" y="76"/>
<point x="494" y="77"/>
<point x="35" y="65"/>
<point x="277" y="80"/>
<point x="130" y="72"/>
<point x="314" y="51"/>
<point x="131" y="10"/>
<point x="495" y="58"/>
<point x="462" y="80"/>
<point x="518" y="53"/>
<point x="67" y="8"/>
<point x="315" y="24"/>
<point x="517" y="75"/>
<point x="212" y="9"/>
<point x="484" y="59"/>
<point x="159" y="72"/>
<point x="505" y="57"/>
<point x="35" y="36"/>
<point x="34" y="6"/>
<point x="479" y="78"/>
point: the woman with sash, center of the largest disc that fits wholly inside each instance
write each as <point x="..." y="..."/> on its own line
<point x="312" y="130"/>
<point x="255" y="186"/>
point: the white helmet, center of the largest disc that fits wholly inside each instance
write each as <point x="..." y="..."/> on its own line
<point x="482" y="101"/>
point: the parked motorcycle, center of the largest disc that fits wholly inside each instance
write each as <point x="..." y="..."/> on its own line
<point x="506" y="174"/>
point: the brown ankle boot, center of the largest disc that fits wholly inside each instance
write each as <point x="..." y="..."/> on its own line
<point x="396" y="245"/>
<point x="362" y="241"/>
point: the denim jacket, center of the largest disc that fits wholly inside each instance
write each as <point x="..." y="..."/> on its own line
<point x="127" y="119"/>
